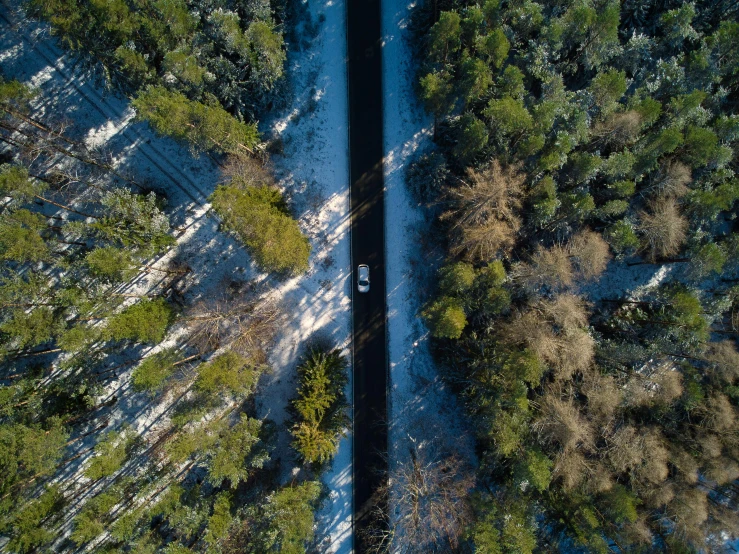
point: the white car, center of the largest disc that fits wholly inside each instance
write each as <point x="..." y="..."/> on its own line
<point x="363" y="278"/>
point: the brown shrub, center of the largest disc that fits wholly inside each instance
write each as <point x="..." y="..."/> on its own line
<point x="663" y="230"/>
<point x="484" y="215"/>
<point x="532" y="330"/>
<point x="689" y="510"/>
<point x="590" y="253"/>
<point x="567" y="311"/>
<point x="711" y="446"/>
<point x="685" y="463"/>
<point x="482" y="241"/>
<point x="619" y="129"/>
<point x="672" y="180"/>
<point x="640" y="452"/>
<point x="431" y="494"/>
<point x="661" y="495"/>
<point x="570" y="468"/>
<point x="561" y="423"/>
<point x="719" y="415"/>
<point x="547" y="267"/>
<point x="722" y="470"/>
<point x="575" y="353"/>
<point x="724" y="360"/>
<point x="603" y="394"/>
<point x="246" y="171"/>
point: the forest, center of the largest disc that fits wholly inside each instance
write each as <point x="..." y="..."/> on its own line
<point x="583" y="184"/>
<point x="93" y="287"/>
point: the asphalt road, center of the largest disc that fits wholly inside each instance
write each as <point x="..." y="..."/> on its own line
<point x="368" y="247"/>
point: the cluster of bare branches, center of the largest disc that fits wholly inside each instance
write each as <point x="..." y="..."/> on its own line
<point x="485" y="213"/>
<point x="430" y="497"/>
<point x="584" y="257"/>
<point x="245" y="323"/>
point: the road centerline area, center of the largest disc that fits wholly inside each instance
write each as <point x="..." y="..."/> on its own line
<point x="364" y="73"/>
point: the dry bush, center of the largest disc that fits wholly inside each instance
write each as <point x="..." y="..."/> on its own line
<point x="561" y="423"/>
<point x="431" y="498"/>
<point x="672" y="180"/>
<point x="662" y="387"/>
<point x="531" y="329"/>
<point x="482" y="241"/>
<point x="246" y="171"/>
<point x="711" y="446"/>
<point x="719" y="414"/>
<point x="619" y="129"/>
<point x="553" y="331"/>
<point x="485" y="210"/>
<point x="685" y="463"/>
<point x="567" y="311"/>
<point x="724" y="360"/>
<point x="570" y="468"/>
<point x="640" y="452"/>
<point x="550" y="267"/>
<point x="243" y="322"/>
<point x="599" y="479"/>
<point x="575" y="353"/>
<point x="656" y="497"/>
<point x="722" y="470"/>
<point x="668" y="383"/>
<point x="604" y="396"/>
<point x="663" y="230"/>
<point x="689" y="510"/>
<point x="590" y="253"/>
<point x="639" y="532"/>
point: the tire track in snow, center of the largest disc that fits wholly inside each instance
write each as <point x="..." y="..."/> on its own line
<point x="99" y="104"/>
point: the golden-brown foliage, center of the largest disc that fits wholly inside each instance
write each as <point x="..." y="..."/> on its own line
<point x="724" y="360"/>
<point x="619" y="129"/>
<point x="567" y="311"/>
<point x="575" y="353"/>
<point x="570" y="468"/>
<point x="485" y="213"/>
<point x="685" y="463"/>
<point x="560" y="423"/>
<point x="672" y="180"/>
<point x="640" y="452"/>
<point x="603" y="395"/>
<point x="590" y="253"/>
<point x="663" y="230"/>
<point x="689" y="509"/>
<point x="550" y="267"/>
<point x="719" y="414"/>
<point x="554" y="331"/>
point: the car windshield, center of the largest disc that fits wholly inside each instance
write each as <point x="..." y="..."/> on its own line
<point x="363" y="282"/>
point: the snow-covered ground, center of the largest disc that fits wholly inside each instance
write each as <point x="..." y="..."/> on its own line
<point x="313" y="172"/>
<point x="422" y="410"/>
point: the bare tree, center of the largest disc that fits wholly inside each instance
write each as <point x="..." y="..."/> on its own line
<point x="604" y="395"/>
<point x="672" y="180"/>
<point x="619" y="129"/>
<point x="550" y="267"/>
<point x="724" y="360"/>
<point x="429" y="493"/>
<point x="590" y="253"/>
<point x="663" y="230"/>
<point x="560" y="423"/>
<point x="485" y="210"/>
<point x="639" y="452"/>
<point x="244" y="322"/>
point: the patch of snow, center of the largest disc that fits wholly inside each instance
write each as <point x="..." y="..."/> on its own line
<point x="422" y="409"/>
<point x="314" y="174"/>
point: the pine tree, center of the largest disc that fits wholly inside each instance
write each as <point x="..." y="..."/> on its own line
<point x="204" y="127"/>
